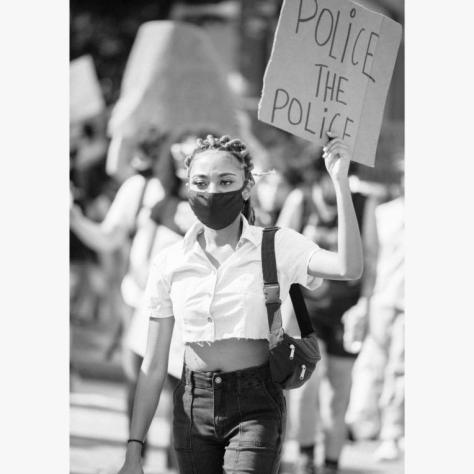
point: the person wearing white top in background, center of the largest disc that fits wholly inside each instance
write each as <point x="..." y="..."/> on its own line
<point x="129" y="211"/>
<point x="378" y="393"/>
<point x="228" y="413"/>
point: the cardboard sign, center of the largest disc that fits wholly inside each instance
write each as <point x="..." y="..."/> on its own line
<point x="85" y="99"/>
<point x="330" y="69"/>
<point x="174" y="80"/>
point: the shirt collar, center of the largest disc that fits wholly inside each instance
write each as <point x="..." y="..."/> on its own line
<point x="249" y="232"/>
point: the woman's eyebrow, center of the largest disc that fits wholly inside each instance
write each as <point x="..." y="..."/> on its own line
<point x="221" y="175"/>
<point x="227" y="174"/>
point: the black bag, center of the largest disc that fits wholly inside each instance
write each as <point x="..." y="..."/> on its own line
<point x="292" y="361"/>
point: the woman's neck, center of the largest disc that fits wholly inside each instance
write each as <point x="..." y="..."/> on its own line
<point x="229" y="235"/>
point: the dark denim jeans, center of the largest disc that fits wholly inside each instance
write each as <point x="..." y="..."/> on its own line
<point x="229" y="422"/>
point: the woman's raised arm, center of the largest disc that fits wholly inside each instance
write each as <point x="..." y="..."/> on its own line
<point x="347" y="262"/>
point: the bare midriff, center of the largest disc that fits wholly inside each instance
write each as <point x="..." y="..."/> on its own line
<point x="226" y="355"/>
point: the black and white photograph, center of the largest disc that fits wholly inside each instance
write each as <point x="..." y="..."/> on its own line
<point x="237" y="237"/>
<point x="215" y="215"/>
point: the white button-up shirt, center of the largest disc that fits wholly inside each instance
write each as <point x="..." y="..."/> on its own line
<point x="212" y="303"/>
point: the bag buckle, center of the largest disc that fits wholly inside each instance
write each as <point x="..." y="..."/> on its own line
<point x="272" y="293"/>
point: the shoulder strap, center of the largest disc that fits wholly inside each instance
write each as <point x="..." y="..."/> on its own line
<point x="301" y="312"/>
<point x="271" y="288"/>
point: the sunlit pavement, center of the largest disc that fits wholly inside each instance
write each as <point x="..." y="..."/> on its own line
<point x="98" y="429"/>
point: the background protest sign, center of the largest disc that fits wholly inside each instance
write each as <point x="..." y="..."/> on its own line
<point x="173" y="81"/>
<point x="85" y="100"/>
<point x="330" y="69"/>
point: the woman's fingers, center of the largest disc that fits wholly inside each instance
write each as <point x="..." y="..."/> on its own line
<point x="336" y="144"/>
<point x="336" y="151"/>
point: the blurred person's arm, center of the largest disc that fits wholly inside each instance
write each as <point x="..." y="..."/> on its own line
<point x="355" y="319"/>
<point x="97" y="236"/>
<point x="371" y="249"/>
<point x="150" y="384"/>
<point x="347" y="262"/>
<point x="112" y="232"/>
<point x="291" y="213"/>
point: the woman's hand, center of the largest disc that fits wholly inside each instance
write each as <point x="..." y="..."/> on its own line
<point x="337" y="157"/>
<point x="131" y="467"/>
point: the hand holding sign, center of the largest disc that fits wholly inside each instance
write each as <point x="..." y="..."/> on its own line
<point x="331" y="65"/>
<point x="337" y="156"/>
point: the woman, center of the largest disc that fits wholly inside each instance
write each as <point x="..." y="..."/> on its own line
<point x="228" y="413"/>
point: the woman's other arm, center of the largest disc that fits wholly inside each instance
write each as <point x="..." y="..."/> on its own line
<point x="150" y="383"/>
<point x="347" y="262"/>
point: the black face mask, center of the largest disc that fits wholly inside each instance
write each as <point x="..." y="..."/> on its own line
<point x="216" y="210"/>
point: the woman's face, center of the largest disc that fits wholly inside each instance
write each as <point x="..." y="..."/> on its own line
<point x="215" y="171"/>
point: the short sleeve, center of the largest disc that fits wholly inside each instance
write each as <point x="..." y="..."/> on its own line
<point x="293" y="253"/>
<point x="157" y="293"/>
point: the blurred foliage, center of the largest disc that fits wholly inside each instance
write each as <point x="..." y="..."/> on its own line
<point x="106" y="30"/>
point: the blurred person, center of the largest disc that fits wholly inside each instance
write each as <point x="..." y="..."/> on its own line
<point x="270" y="193"/>
<point x="87" y="161"/>
<point x="228" y="412"/>
<point x="131" y="205"/>
<point x="312" y="209"/>
<point x="129" y="210"/>
<point x="378" y="398"/>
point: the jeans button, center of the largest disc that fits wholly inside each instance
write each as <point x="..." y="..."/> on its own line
<point x="218" y="380"/>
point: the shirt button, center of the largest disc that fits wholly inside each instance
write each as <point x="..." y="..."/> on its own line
<point x="209" y="319"/>
<point x="218" y="380"/>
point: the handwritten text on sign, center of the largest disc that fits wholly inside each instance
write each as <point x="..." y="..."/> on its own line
<point x="330" y="70"/>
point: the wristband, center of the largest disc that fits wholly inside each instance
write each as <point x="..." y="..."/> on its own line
<point x="136" y="441"/>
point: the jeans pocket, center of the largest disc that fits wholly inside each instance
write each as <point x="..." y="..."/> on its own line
<point x="182" y="400"/>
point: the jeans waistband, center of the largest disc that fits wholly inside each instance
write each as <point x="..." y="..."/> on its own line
<point x="251" y="376"/>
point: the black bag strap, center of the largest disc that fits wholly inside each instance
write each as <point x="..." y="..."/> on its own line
<point x="271" y="288"/>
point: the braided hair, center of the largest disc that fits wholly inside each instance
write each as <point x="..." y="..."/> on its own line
<point x="235" y="148"/>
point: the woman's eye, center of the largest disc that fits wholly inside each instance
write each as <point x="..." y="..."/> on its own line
<point x="226" y="182"/>
<point x="200" y="184"/>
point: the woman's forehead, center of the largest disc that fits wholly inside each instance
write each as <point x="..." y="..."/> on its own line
<point x="215" y="161"/>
